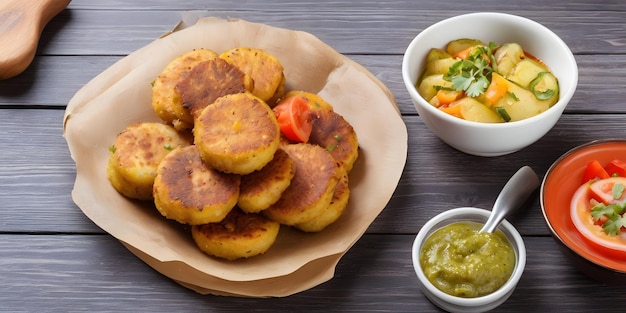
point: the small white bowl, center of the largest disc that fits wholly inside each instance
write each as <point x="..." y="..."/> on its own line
<point x="459" y="304"/>
<point x="485" y="139"/>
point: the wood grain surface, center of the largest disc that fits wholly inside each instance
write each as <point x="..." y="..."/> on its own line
<point x="54" y="259"/>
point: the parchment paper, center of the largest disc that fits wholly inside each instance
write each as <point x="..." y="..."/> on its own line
<point x="297" y="261"/>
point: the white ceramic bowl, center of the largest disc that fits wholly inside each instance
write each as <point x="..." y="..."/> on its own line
<point x="478" y="304"/>
<point x="485" y="139"/>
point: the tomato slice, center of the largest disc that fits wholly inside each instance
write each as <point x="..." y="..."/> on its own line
<point x="616" y="168"/>
<point x="294" y="118"/>
<point x="594" y="170"/>
<point x="592" y="231"/>
<point x="603" y="190"/>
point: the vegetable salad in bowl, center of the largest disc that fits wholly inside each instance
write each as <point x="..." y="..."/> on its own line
<point x="487" y="83"/>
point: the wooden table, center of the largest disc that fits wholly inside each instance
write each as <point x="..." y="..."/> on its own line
<point x="53" y="258"/>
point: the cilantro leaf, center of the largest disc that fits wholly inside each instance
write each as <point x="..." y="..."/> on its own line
<point x="614" y="225"/>
<point x="601" y="209"/>
<point x="478" y="87"/>
<point x="473" y="75"/>
<point x="614" y="219"/>
<point x="618" y="191"/>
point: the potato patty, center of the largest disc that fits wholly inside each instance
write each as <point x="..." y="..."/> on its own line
<point x="315" y="101"/>
<point x="239" y="235"/>
<point x="341" y="195"/>
<point x="333" y="132"/>
<point x="330" y="130"/>
<point x="264" y="68"/>
<point x="262" y="188"/>
<point x="136" y="154"/>
<point x="208" y="81"/>
<point x="311" y="189"/>
<point x="190" y="192"/>
<point x="237" y="134"/>
<point x="166" y="100"/>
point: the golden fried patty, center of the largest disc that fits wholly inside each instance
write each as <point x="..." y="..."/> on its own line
<point x="166" y="99"/>
<point x="239" y="235"/>
<point x="341" y="195"/>
<point x="190" y="192"/>
<point x="237" y="134"/>
<point x="335" y="134"/>
<point x="311" y="189"/>
<point x="280" y="92"/>
<point x="264" y="68"/>
<point x="330" y="130"/>
<point x="136" y="154"/>
<point x="262" y="188"/>
<point x="210" y="80"/>
<point x="315" y="102"/>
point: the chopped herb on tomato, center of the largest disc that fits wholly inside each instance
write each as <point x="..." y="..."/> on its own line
<point x="618" y="191"/>
<point x="609" y="205"/>
<point x="613" y="226"/>
<point x="600" y="210"/>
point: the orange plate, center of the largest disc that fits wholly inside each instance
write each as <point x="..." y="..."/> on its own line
<point x="562" y="180"/>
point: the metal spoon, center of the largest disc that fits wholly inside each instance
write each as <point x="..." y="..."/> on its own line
<point x="512" y="196"/>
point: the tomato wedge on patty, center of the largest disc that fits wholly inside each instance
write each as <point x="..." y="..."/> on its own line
<point x="294" y="118"/>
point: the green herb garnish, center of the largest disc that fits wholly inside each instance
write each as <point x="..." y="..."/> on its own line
<point x="167" y="146"/>
<point x="617" y="191"/>
<point x="473" y="75"/>
<point x="332" y="146"/>
<point x="503" y="114"/>
<point x="112" y="148"/>
<point x="512" y="95"/>
<point x="613" y="226"/>
<point x="613" y="214"/>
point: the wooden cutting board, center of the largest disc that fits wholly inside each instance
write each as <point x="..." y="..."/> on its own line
<point x="21" y="24"/>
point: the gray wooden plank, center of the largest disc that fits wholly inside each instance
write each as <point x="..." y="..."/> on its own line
<point x="53" y="80"/>
<point x="332" y="5"/>
<point x="96" y="273"/>
<point x="389" y="31"/>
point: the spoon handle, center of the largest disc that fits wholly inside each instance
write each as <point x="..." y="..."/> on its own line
<point x="512" y="196"/>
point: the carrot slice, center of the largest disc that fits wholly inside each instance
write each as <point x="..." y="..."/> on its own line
<point x="446" y="97"/>
<point x="497" y="89"/>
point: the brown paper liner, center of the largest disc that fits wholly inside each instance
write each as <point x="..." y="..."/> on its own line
<point x="297" y="261"/>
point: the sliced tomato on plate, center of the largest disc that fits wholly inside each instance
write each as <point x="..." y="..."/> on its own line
<point x="609" y="190"/>
<point x="594" y="170"/>
<point x="616" y="168"/>
<point x="592" y="230"/>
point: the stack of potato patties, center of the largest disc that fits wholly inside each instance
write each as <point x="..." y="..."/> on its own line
<point x="220" y="163"/>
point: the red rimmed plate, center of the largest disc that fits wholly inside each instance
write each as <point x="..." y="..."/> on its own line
<point x="559" y="185"/>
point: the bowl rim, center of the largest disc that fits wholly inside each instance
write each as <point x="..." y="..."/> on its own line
<point x="504" y="291"/>
<point x="559" y="234"/>
<point x="564" y="98"/>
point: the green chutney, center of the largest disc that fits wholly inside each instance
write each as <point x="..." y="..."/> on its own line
<point x="461" y="261"/>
